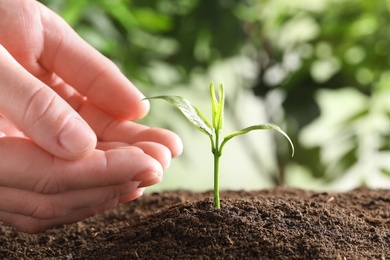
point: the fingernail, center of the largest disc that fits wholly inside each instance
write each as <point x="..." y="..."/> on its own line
<point x="146" y="176"/>
<point x="76" y="137"/>
<point x="137" y="183"/>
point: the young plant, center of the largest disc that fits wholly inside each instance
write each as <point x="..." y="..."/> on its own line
<point x="213" y="130"/>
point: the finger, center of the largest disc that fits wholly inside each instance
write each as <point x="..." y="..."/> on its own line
<point x="43" y="206"/>
<point x="155" y="150"/>
<point x="158" y="151"/>
<point x="8" y="128"/>
<point x="65" y="91"/>
<point x="40" y="113"/>
<point x="92" y="74"/>
<point x="150" y="182"/>
<point x="48" y="174"/>
<point x="132" y="196"/>
<point x="32" y="225"/>
<point x="105" y="146"/>
<point x="109" y="129"/>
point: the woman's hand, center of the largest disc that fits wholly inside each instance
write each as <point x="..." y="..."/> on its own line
<point x="67" y="148"/>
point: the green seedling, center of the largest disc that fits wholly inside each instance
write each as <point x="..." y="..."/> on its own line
<point x="213" y="130"/>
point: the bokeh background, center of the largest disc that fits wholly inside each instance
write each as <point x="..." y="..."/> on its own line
<point x="319" y="69"/>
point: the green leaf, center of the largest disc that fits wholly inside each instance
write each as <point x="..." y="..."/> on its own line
<point x="385" y="171"/>
<point x="217" y="106"/>
<point x="214" y="104"/>
<point x="257" y="127"/>
<point x="220" y="107"/>
<point x="189" y="111"/>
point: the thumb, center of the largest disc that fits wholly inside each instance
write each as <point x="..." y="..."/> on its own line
<point x="40" y="113"/>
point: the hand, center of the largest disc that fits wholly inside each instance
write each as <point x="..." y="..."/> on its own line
<point x="68" y="150"/>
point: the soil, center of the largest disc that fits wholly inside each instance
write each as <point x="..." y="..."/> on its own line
<point x="280" y="223"/>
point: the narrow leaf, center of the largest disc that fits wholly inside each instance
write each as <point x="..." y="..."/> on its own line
<point x="189" y="111"/>
<point x="257" y="127"/>
<point x="221" y="106"/>
<point x="214" y="105"/>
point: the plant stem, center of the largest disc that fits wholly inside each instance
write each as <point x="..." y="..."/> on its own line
<point x="217" y="204"/>
<point x="217" y="156"/>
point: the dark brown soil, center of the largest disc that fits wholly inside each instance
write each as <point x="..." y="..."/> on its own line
<point x="280" y="223"/>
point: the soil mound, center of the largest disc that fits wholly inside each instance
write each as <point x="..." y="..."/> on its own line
<point x="281" y="223"/>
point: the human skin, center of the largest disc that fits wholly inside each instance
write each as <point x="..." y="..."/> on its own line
<point x="68" y="146"/>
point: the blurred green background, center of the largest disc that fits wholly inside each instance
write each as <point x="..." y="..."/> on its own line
<point x="319" y="69"/>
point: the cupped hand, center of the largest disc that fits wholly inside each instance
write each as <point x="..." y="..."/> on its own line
<point x="39" y="190"/>
<point x="67" y="147"/>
